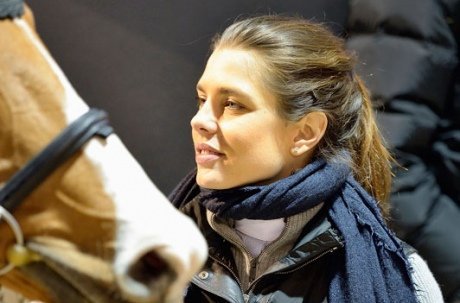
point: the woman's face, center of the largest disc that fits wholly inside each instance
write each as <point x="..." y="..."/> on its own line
<point x="239" y="138"/>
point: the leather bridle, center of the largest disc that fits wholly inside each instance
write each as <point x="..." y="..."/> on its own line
<point x="93" y="123"/>
<point x="69" y="141"/>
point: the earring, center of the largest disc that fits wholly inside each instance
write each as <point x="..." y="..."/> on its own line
<point x="295" y="151"/>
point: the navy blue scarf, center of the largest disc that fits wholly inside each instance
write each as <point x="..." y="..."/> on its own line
<point x="284" y="198"/>
<point x="375" y="268"/>
<point x="11" y="8"/>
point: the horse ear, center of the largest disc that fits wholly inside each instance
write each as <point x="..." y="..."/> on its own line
<point x="29" y="16"/>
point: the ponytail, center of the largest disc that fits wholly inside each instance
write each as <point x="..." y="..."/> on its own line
<point x="372" y="160"/>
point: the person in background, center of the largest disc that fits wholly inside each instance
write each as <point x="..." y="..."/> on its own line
<point x="292" y="180"/>
<point x="408" y="57"/>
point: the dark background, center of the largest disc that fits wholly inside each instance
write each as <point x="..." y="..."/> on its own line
<point x="140" y="60"/>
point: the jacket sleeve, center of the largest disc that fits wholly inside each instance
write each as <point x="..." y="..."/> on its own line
<point x="426" y="287"/>
<point x="407" y="55"/>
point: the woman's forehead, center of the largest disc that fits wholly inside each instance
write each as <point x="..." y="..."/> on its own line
<point x="237" y="70"/>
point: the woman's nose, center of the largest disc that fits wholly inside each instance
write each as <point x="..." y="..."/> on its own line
<point x="204" y="121"/>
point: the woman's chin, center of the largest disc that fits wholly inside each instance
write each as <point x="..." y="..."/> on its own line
<point x="212" y="180"/>
<point x="211" y="185"/>
<point x="208" y="180"/>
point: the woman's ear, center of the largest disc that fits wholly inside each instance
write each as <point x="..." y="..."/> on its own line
<point x="311" y="129"/>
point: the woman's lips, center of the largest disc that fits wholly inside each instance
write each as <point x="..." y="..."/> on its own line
<point x="205" y="154"/>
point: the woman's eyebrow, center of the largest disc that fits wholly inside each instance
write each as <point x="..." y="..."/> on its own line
<point x="228" y="91"/>
<point x="234" y="92"/>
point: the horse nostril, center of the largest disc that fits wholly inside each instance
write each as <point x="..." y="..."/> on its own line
<point x="154" y="263"/>
<point x="149" y="268"/>
<point x="149" y="278"/>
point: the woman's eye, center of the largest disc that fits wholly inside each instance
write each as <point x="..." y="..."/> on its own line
<point x="200" y="101"/>
<point x="233" y="105"/>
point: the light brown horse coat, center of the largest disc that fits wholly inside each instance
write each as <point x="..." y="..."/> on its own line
<point x="97" y="219"/>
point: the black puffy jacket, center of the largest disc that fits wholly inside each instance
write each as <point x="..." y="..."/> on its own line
<point x="408" y="57"/>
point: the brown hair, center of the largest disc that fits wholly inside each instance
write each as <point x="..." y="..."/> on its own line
<point x="309" y="69"/>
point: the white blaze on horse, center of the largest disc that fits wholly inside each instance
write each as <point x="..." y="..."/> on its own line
<point x="97" y="229"/>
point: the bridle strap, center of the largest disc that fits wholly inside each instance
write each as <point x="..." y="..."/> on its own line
<point x="16" y="229"/>
<point x="68" y="142"/>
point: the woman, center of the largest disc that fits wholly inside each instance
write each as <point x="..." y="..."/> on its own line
<point x="290" y="165"/>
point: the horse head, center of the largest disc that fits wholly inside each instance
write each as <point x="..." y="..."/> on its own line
<point x="97" y="229"/>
